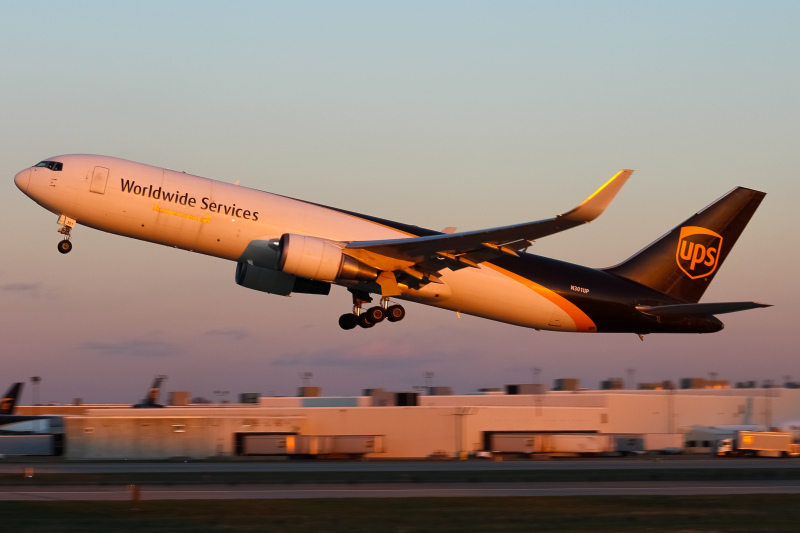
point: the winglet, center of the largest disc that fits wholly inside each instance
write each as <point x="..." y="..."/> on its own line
<point x="592" y="207"/>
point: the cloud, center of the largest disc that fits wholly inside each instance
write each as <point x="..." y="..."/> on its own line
<point x="23" y="287"/>
<point x="234" y="334"/>
<point x="376" y="353"/>
<point x="30" y="290"/>
<point x="134" y="348"/>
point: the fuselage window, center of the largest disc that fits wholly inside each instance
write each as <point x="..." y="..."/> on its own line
<point x="52" y="165"/>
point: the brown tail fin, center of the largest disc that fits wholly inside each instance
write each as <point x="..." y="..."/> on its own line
<point x="683" y="262"/>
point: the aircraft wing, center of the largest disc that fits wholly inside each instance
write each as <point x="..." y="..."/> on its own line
<point x="428" y="255"/>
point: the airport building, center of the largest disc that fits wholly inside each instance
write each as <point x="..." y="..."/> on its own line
<point x="395" y="425"/>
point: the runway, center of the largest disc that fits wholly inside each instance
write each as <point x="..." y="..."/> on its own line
<point x="424" y="490"/>
<point x="637" y="463"/>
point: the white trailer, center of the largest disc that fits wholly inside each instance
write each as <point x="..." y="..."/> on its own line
<point x="353" y="446"/>
<point x="577" y="443"/>
<point x="565" y="443"/>
<point x="522" y="443"/>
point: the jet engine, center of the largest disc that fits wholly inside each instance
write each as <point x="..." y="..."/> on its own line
<point x="276" y="282"/>
<point x="317" y="259"/>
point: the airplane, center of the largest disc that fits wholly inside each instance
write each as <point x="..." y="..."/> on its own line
<point x="9" y="401"/>
<point x="13" y="424"/>
<point x="283" y="245"/>
<point x="152" y="395"/>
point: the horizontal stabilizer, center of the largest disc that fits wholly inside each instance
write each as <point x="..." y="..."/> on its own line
<point x="699" y="309"/>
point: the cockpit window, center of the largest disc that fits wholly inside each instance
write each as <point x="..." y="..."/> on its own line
<point x="52" y="165"/>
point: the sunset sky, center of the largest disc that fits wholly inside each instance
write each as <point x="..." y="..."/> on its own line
<point x="467" y="114"/>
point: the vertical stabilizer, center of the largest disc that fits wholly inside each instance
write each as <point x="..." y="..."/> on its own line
<point x="683" y="262"/>
<point x="9" y="401"/>
<point x="152" y="394"/>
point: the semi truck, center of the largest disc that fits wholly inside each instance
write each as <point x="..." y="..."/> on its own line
<point x="758" y="443"/>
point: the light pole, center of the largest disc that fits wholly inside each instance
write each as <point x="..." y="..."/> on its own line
<point x="769" y="384"/>
<point x="460" y="413"/>
<point x="223" y="395"/>
<point x="537" y="393"/>
<point x="35" y="380"/>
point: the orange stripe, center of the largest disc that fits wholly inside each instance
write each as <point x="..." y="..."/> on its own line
<point x="582" y="321"/>
<point x="182" y="215"/>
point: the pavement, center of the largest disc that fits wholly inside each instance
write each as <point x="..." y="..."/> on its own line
<point x="61" y="466"/>
<point x="411" y="490"/>
<point x="57" y="492"/>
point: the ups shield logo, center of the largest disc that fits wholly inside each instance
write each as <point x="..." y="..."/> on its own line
<point x="698" y="251"/>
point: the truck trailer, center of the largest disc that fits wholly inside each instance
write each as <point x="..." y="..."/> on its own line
<point x="554" y="444"/>
<point x="758" y="443"/>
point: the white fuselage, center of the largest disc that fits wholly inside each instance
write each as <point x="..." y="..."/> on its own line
<point x="220" y="219"/>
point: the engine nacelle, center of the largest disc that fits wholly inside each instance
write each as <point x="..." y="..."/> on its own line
<point x="276" y="282"/>
<point x="317" y="259"/>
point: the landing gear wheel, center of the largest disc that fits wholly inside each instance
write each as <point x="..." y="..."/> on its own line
<point x="365" y="321"/>
<point x="64" y="246"/>
<point x="348" y="321"/>
<point x="395" y="313"/>
<point x="376" y="314"/>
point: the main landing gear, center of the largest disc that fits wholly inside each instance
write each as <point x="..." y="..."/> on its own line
<point x="373" y="315"/>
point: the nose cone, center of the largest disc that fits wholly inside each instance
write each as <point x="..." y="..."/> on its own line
<point x="22" y="179"/>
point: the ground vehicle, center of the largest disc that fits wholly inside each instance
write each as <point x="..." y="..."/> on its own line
<point x="758" y="443"/>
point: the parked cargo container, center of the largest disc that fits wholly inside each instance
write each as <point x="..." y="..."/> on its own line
<point x="357" y="445"/>
<point x="310" y="445"/>
<point x="261" y="444"/>
<point x="566" y="443"/>
<point x="522" y="443"/>
<point x="577" y="443"/>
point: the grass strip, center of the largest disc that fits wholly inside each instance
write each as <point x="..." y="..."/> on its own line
<point x="752" y="513"/>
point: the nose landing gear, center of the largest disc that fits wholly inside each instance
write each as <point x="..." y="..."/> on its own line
<point x="66" y="227"/>
<point x="65" y="246"/>
<point x="373" y="315"/>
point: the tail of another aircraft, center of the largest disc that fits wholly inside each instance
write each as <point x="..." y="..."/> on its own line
<point x="9" y="401"/>
<point x="153" y="394"/>
<point x="683" y="262"/>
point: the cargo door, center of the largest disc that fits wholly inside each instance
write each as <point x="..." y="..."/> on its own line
<point x="99" y="180"/>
